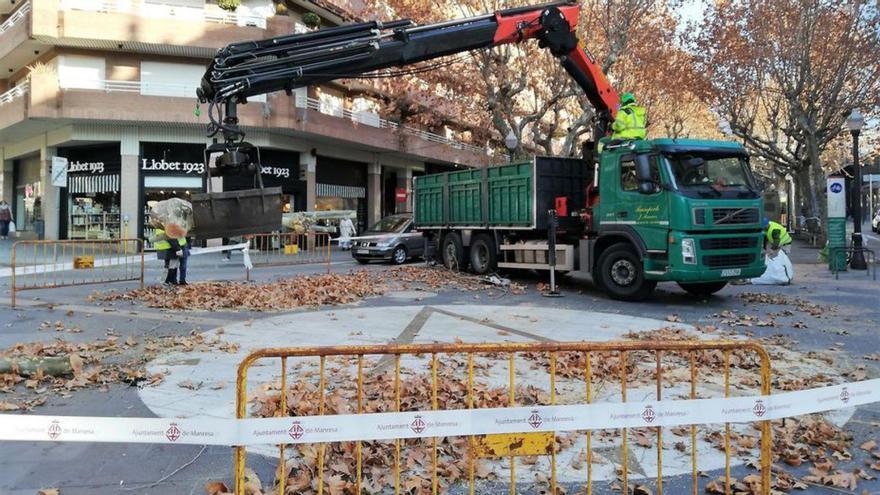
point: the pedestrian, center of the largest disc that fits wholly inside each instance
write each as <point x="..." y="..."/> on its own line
<point x="5" y="219"/>
<point x="346" y="231"/>
<point x="185" y="245"/>
<point x="168" y="250"/>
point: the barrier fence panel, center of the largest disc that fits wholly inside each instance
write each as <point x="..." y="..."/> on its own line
<point x="346" y="380"/>
<point x="48" y="264"/>
<point x="289" y="248"/>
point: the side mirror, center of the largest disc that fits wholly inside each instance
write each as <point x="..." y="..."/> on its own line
<point x="647" y="188"/>
<point x="643" y="174"/>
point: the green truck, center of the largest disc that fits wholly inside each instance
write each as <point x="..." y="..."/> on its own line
<point x="638" y="213"/>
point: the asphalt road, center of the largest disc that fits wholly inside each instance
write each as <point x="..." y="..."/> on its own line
<point x="851" y="332"/>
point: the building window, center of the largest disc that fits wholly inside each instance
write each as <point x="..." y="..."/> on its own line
<point x="331" y="104"/>
<point x="366" y="111"/>
<point x="81" y="72"/>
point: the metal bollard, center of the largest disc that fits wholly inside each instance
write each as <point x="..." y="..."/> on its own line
<point x="552" y="223"/>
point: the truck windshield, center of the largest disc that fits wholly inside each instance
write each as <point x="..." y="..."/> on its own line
<point x="390" y="224"/>
<point x="712" y="176"/>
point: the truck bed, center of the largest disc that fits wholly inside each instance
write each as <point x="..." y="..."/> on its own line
<point x="510" y="196"/>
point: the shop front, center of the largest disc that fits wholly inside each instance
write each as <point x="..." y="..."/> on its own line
<point x="27" y="203"/>
<point x="168" y="170"/>
<point x="342" y="185"/>
<point x="90" y="204"/>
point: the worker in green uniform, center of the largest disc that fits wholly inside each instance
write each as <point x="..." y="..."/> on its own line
<point x="170" y="250"/>
<point x="777" y="238"/>
<point x="630" y="122"/>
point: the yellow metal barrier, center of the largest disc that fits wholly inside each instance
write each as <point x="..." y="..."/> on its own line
<point x="592" y="364"/>
<point x="289" y="248"/>
<point x="49" y="264"/>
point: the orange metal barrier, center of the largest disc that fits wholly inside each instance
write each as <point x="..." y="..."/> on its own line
<point x="49" y="264"/>
<point x="289" y="248"/>
<point x="576" y="373"/>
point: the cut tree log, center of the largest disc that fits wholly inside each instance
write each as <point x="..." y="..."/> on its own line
<point x="28" y="366"/>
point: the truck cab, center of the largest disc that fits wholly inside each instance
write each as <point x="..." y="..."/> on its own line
<point x="673" y="210"/>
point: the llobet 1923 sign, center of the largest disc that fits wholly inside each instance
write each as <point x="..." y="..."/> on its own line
<point x="182" y="167"/>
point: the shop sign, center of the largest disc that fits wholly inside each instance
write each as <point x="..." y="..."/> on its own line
<point x="85" y="167"/>
<point x="153" y="165"/>
<point x="277" y="172"/>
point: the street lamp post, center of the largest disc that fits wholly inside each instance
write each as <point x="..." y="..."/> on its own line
<point x="511" y="142"/>
<point x="854" y="123"/>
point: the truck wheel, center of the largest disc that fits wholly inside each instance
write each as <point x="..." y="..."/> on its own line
<point x="453" y="252"/>
<point x="621" y="274"/>
<point x="703" y="289"/>
<point x="483" y="256"/>
<point x="399" y="256"/>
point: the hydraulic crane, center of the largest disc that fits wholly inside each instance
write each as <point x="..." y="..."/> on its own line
<point x="637" y="213"/>
<point x="283" y="63"/>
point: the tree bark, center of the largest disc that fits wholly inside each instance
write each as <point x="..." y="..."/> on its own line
<point x="29" y="366"/>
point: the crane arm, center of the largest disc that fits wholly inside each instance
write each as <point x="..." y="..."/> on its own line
<point x="245" y="69"/>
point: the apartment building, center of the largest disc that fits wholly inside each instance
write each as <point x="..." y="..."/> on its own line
<point x="110" y="85"/>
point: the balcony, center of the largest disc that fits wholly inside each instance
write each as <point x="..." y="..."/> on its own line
<point x="373" y="120"/>
<point x="140" y="26"/>
<point x="16" y="47"/>
<point x="12" y="105"/>
<point x="51" y="100"/>
<point x="152" y="10"/>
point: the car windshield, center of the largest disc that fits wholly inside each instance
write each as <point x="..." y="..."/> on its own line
<point x="390" y="224"/>
<point x="711" y="174"/>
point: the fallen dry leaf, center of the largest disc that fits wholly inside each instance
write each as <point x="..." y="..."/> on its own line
<point x="216" y="488"/>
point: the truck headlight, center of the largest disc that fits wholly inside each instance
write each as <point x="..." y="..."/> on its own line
<point x="688" y="252"/>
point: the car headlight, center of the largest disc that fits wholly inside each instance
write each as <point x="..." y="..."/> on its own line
<point x="688" y="252"/>
<point x="383" y="243"/>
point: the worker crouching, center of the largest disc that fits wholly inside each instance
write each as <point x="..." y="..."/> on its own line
<point x="630" y="124"/>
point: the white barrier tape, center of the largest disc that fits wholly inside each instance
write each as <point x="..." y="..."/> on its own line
<point x="67" y="265"/>
<point x="115" y="261"/>
<point x="218" y="249"/>
<point x="244" y="246"/>
<point x="425" y="424"/>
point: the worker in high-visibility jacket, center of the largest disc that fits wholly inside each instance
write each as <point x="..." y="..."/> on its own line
<point x="630" y="122"/>
<point x="777" y="237"/>
<point x="170" y="250"/>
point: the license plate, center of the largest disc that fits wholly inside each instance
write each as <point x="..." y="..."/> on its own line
<point x="731" y="272"/>
<point x="363" y="251"/>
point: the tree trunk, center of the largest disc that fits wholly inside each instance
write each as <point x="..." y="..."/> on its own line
<point x="28" y="366"/>
<point x="817" y="185"/>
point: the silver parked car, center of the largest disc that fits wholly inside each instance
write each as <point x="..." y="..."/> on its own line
<point x="390" y="239"/>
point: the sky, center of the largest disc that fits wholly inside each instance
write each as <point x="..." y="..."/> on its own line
<point x="691" y="11"/>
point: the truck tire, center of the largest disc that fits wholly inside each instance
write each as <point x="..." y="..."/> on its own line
<point x="452" y="252"/>
<point x="482" y="253"/>
<point x="703" y="289"/>
<point x="622" y="275"/>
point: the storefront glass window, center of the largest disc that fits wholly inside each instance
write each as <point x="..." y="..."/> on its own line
<point x="169" y="170"/>
<point x="91" y="207"/>
<point x="27" y="208"/>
